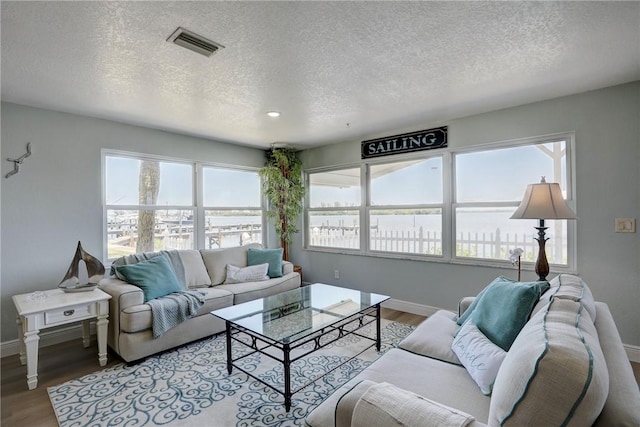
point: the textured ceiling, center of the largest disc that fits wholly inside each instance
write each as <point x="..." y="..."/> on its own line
<point x="336" y="70"/>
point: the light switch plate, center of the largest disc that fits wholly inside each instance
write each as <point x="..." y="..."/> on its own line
<point x="625" y="225"/>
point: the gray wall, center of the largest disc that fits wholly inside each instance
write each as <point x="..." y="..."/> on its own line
<point x="55" y="200"/>
<point x="607" y="128"/>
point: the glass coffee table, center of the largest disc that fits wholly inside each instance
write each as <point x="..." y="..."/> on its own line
<point x="291" y="325"/>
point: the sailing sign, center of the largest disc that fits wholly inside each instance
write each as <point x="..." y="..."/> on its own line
<point x="405" y="143"/>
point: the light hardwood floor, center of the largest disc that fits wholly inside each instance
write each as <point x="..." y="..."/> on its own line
<point x="66" y="361"/>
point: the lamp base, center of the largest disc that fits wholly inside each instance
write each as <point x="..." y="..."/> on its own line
<point x="542" y="266"/>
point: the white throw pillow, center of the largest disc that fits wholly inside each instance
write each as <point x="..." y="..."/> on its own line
<point x="253" y="273"/>
<point x="384" y="405"/>
<point x="195" y="271"/>
<point x="478" y="355"/>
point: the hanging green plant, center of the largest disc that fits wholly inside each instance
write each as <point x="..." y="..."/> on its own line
<point x="283" y="185"/>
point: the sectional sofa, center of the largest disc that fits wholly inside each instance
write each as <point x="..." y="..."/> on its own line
<point x="566" y="367"/>
<point x="130" y="320"/>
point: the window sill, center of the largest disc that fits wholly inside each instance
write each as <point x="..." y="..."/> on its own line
<point x="530" y="267"/>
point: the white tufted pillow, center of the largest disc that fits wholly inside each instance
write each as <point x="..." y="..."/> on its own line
<point x="253" y="273"/>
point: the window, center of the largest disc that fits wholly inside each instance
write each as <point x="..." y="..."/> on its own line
<point x="333" y="216"/>
<point x="151" y="204"/>
<point x="489" y="186"/>
<point x="232" y="207"/>
<point x="453" y="206"/>
<point x="406" y="204"/>
<point x="147" y="206"/>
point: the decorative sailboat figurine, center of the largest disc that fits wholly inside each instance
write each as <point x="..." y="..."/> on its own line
<point x="80" y="279"/>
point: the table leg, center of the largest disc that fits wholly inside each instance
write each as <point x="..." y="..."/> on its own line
<point x="378" y="341"/>
<point x="23" y="350"/>
<point x="31" y="340"/>
<point x="229" y="364"/>
<point x="101" y="332"/>
<point x="86" y="333"/>
<point x="287" y="377"/>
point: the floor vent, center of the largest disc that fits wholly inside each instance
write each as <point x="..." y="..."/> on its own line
<point x="194" y="42"/>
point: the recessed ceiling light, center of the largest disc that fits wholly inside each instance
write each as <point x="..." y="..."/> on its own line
<point x="273" y="114"/>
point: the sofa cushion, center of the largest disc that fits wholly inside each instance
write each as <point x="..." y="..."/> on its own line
<point x="554" y="373"/>
<point x="138" y="318"/>
<point x="195" y="272"/>
<point x="574" y="288"/>
<point x="216" y="260"/>
<point x="384" y="405"/>
<point x="504" y="308"/>
<point x="445" y="383"/>
<point x="248" y="291"/>
<point x="433" y="337"/>
<point x="480" y="357"/>
<point x="155" y="277"/>
<point x="271" y="256"/>
<point x="251" y="273"/>
<point x="542" y="286"/>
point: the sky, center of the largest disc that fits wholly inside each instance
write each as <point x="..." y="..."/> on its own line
<point x="222" y="187"/>
<point x="480" y="176"/>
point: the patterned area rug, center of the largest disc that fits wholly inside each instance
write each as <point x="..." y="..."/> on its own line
<point x="189" y="386"/>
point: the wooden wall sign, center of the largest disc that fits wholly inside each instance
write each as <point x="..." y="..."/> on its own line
<point x="405" y="143"/>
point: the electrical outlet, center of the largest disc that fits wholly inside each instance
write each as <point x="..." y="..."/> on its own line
<point x="336" y="274"/>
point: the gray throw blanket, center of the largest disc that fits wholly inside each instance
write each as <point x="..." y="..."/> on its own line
<point x="171" y="310"/>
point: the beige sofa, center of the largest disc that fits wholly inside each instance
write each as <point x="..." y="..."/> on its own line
<point x="567" y="366"/>
<point x="130" y="319"/>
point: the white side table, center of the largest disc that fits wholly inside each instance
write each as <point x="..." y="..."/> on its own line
<point x="59" y="308"/>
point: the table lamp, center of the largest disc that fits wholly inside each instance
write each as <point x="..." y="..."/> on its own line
<point x="543" y="201"/>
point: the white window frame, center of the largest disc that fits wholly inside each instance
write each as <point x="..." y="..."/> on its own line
<point x="197" y="196"/>
<point x="201" y="212"/>
<point x="307" y="210"/>
<point x="449" y="204"/>
<point x="369" y="207"/>
<point x="569" y="139"/>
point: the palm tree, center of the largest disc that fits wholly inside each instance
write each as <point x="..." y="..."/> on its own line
<point x="282" y="184"/>
<point x="148" y="188"/>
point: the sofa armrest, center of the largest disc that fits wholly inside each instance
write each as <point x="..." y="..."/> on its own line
<point x="348" y="401"/>
<point x="464" y="304"/>
<point x="287" y="267"/>
<point x="622" y="407"/>
<point x="122" y="293"/>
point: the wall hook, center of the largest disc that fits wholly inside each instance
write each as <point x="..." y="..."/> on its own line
<point x="17" y="162"/>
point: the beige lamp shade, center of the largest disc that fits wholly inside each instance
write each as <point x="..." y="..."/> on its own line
<point x="543" y="201"/>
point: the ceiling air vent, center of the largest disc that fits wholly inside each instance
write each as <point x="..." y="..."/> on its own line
<point x="194" y="42"/>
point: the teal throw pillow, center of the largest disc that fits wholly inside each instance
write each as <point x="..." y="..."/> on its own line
<point x="504" y="309"/>
<point x="272" y="256"/>
<point x="155" y="277"/>
<point x="472" y="307"/>
<point x="542" y="287"/>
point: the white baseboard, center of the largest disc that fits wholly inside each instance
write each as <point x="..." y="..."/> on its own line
<point x="633" y="352"/>
<point x="410" y="307"/>
<point x="47" y="338"/>
<point x="73" y="332"/>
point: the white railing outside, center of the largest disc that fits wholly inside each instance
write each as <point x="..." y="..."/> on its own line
<point x="494" y="245"/>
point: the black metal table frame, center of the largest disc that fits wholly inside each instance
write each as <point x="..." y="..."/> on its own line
<point x="259" y="343"/>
